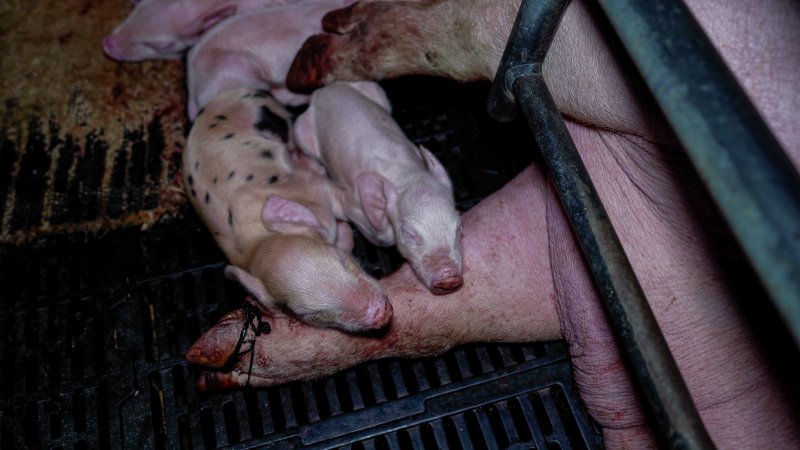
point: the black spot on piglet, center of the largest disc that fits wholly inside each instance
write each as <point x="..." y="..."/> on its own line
<point x="227" y="136"/>
<point x="273" y="123"/>
<point x="273" y="179"/>
<point x="231" y="174"/>
<point x="208" y="198"/>
<point x="221" y="117"/>
<point x="230" y="218"/>
<point x="249" y="177"/>
<point x="266" y="154"/>
<point x="261" y="93"/>
<point x="191" y="181"/>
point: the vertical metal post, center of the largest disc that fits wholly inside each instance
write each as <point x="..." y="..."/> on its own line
<point x="655" y="371"/>
<point x="748" y="174"/>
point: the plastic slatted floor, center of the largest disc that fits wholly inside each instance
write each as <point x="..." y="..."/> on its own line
<point x="93" y="331"/>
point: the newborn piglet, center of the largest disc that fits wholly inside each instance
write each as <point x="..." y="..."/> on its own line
<point x="274" y="215"/>
<point x="394" y="191"/>
<point x="164" y="29"/>
<point x="254" y="50"/>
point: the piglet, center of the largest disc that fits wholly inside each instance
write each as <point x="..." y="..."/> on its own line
<point x="254" y="50"/>
<point x="274" y="214"/>
<point x="394" y="191"/>
<point x="164" y="29"/>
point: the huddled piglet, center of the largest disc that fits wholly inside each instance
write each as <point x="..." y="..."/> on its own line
<point x="164" y="29"/>
<point x="274" y="214"/>
<point x="254" y="50"/>
<point x="394" y="191"/>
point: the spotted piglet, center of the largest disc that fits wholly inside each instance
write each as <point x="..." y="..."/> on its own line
<point x="394" y="191"/>
<point x="274" y="214"/>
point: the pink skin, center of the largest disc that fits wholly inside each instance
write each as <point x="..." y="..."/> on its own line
<point x="275" y="216"/>
<point x="394" y="192"/>
<point x="519" y="252"/>
<point x="253" y="50"/>
<point x="165" y="29"/>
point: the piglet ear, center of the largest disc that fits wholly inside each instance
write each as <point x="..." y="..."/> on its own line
<point x="208" y="19"/>
<point x="378" y="198"/>
<point x="435" y="167"/>
<point x="282" y="215"/>
<point x="305" y="135"/>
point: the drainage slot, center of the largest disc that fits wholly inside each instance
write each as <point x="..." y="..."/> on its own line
<point x="541" y="413"/>
<point x="474" y="430"/>
<point x="179" y="386"/>
<point x="498" y="427"/>
<point x="79" y="411"/>
<point x="157" y="408"/>
<point x="207" y="428"/>
<point x="253" y="412"/>
<point x="518" y="418"/>
<point x="276" y="410"/>
<point x="567" y="417"/>
<point x="451" y="433"/>
<point x="231" y="423"/>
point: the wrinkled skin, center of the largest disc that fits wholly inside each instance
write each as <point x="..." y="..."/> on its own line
<point x="394" y="192"/>
<point x="165" y="29"/>
<point x="274" y="216"/>
<point x="525" y="279"/>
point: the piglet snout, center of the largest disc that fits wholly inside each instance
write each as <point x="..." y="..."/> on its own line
<point x="111" y="48"/>
<point x="366" y="309"/>
<point x="447" y="281"/>
<point x="379" y="313"/>
<point x="444" y="274"/>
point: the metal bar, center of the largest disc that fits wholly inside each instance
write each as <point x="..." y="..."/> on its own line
<point x="536" y="23"/>
<point x="748" y="174"/>
<point x="654" y="369"/>
<point x="652" y="364"/>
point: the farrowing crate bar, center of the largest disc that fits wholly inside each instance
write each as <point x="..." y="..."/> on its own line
<point x="747" y="173"/>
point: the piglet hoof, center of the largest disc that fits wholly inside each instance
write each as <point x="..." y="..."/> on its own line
<point x="447" y="285"/>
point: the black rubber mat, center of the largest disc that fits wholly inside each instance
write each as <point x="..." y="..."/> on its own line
<point x="94" y="332"/>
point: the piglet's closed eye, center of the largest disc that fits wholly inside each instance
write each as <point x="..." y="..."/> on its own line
<point x="286" y="216"/>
